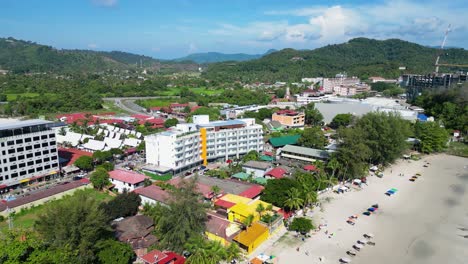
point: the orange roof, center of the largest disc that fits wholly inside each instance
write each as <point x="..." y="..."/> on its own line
<point x="256" y="261"/>
<point x="248" y="236"/>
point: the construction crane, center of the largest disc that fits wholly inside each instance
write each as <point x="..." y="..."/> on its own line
<point x="437" y="64"/>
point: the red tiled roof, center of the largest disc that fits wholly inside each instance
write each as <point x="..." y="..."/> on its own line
<point x="127" y="176"/>
<point x="165" y="257"/>
<point x="286" y="112"/>
<point x="224" y="204"/>
<point x="194" y="108"/>
<point x="156" y="108"/>
<point x="252" y="192"/>
<point x="153" y="192"/>
<point x="203" y="189"/>
<point x="72" y="154"/>
<point x="268" y="153"/>
<point x="178" y="105"/>
<point x="277" y="173"/>
<point x="310" y="168"/>
<point x="140" y="116"/>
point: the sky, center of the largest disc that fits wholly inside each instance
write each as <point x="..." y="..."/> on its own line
<point x="175" y="28"/>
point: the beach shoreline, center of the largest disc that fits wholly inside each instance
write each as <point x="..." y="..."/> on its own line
<point x="422" y="223"/>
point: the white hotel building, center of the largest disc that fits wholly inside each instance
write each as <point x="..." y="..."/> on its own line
<point x="28" y="151"/>
<point x="190" y="145"/>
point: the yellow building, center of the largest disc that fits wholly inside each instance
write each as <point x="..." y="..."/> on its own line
<point x="252" y="237"/>
<point x="289" y="118"/>
<point x="220" y="229"/>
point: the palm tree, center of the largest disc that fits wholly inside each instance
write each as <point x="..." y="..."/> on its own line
<point x="310" y="197"/>
<point x="269" y="207"/>
<point x="333" y="165"/>
<point x="233" y="252"/>
<point x="248" y="220"/>
<point x="260" y="209"/>
<point x="62" y="131"/>
<point x="215" y="189"/>
<point x="294" y="200"/>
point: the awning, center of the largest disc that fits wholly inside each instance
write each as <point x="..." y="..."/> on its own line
<point x="37" y="177"/>
<point x="53" y="172"/>
<point x="3" y="186"/>
<point x="24" y="180"/>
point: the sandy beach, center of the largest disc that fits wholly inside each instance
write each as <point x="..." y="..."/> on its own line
<point x="424" y="222"/>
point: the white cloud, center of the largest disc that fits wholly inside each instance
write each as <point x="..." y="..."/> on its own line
<point x="92" y="46"/>
<point x="106" y="3"/>
<point x="423" y="22"/>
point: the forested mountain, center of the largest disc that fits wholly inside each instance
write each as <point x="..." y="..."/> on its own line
<point x="359" y="57"/>
<point x="210" y="57"/>
<point x="25" y="56"/>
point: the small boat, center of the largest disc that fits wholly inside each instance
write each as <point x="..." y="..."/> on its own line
<point x="345" y="260"/>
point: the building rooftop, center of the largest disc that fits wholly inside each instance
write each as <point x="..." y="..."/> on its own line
<point x="20" y="124"/>
<point x="249" y="235"/>
<point x="127" y="176"/>
<point x="252" y="192"/>
<point x="277" y="173"/>
<point x="282" y="141"/>
<point x="318" y="153"/>
<point x="257" y="165"/>
<point x="154" y="192"/>
<point x="223" y="123"/>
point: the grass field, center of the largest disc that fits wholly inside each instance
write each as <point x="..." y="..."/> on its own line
<point x="458" y="149"/>
<point x="156" y="177"/>
<point x="12" y="96"/>
<point x="109" y="106"/>
<point x="26" y="218"/>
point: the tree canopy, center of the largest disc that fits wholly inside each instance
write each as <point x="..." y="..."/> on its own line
<point x="313" y="137"/>
<point x="341" y="120"/>
<point x="432" y="137"/>
<point x="99" y="178"/>
<point x="84" y="163"/>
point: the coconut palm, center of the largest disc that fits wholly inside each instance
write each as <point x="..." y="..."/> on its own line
<point x="248" y="220"/>
<point x="233" y="252"/>
<point x="215" y="189"/>
<point x="260" y="209"/>
<point x="62" y="131"/>
<point x="294" y="200"/>
<point x="333" y="165"/>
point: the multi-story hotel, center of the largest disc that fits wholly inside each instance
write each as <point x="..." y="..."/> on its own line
<point x="190" y="145"/>
<point x="28" y="151"/>
<point x="289" y="118"/>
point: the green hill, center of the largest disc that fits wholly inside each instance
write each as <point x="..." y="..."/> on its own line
<point x="25" y="56"/>
<point x="211" y="57"/>
<point x="359" y="57"/>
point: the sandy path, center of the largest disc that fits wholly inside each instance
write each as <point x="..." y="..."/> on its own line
<point x="417" y="225"/>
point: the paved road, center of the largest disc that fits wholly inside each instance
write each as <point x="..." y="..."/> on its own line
<point x="128" y="103"/>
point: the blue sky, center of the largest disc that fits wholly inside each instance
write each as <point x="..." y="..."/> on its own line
<point x="170" y="29"/>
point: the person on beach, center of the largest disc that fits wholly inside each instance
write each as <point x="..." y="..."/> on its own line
<point x="297" y="249"/>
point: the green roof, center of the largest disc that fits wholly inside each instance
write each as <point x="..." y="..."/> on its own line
<point x="261" y="180"/>
<point x="241" y="175"/>
<point x="266" y="158"/>
<point x="283" y="141"/>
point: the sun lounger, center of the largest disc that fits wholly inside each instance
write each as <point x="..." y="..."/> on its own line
<point x="345" y="260"/>
<point x="369" y="235"/>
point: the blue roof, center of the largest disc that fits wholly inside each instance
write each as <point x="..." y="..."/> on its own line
<point x="223" y="123"/>
<point x="422" y="117"/>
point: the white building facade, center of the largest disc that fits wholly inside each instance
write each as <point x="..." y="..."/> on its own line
<point x="190" y="145"/>
<point x="28" y="151"/>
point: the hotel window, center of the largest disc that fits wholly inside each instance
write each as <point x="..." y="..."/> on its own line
<point x="45" y="144"/>
<point x="38" y="169"/>
<point x="30" y="163"/>
<point x="28" y="147"/>
<point x="13" y="167"/>
<point x="21" y="149"/>
<point x="31" y="171"/>
<point x="46" y="167"/>
<point x="44" y="137"/>
<point x="11" y="151"/>
<point x="27" y="140"/>
<point x="12" y="159"/>
<point x="37" y="146"/>
<point x="22" y="173"/>
<point x="14" y="175"/>
<point x="37" y="153"/>
<point x="29" y="155"/>
<point x="10" y="143"/>
<point x="21" y="157"/>
<point x="19" y="141"/>
<point x="35" y="138"/>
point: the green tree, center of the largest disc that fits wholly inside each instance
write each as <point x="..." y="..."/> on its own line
<point x="171" y="122"/>
<point x="216" y="190"/>
<point x="182" y="219"/>
<point x="107" y="166"/>
<point x="294" y="200"/>
<point x="101" y="156"/>
<point x="114" y="252"/>
<point x="353" y="154"/>
<point x="251" y="155"/>
<point x="260" y="209"/>
<point x="84" y="163"/>
<point x="141" y="146"/>
<point x="76" y="222"/>
<point x="341" y="120"/>
<point x="276" y="191"/>
<point x="301" y="224"/>
<point x="313" y="137"/>
<point x="433" y="137"/>
<point x="247" y="222"/>
<point x="333" y="165"/>
<point x="312" y="115"/>
<point x="100" y="178"/>
<point x="125" y="204"/>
